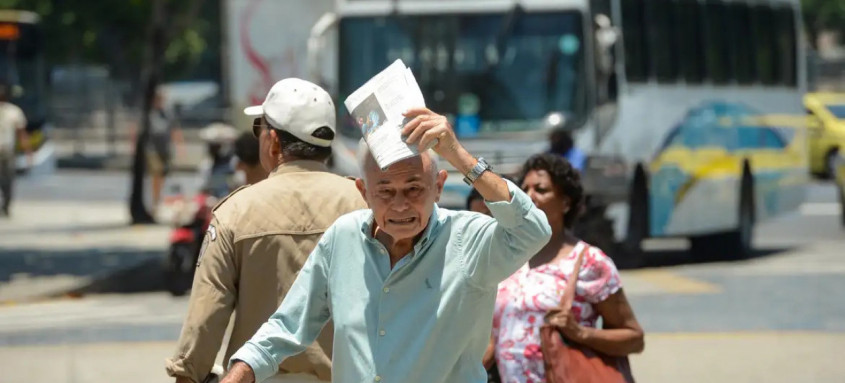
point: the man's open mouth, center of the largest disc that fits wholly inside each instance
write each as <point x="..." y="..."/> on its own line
<point x="403" y="221"/>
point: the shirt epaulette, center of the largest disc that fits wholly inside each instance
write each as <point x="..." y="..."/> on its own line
<point x="220" y="203"/>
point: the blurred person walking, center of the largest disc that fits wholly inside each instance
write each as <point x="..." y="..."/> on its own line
<point x="248" y="165"/>
<point x="12" y="133"/>
<point x="261" y="235"/>
<point x="164" y="132"/>
<point x="532" y="295"/>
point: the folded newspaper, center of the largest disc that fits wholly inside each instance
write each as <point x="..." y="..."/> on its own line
<point x="377" y="107"/>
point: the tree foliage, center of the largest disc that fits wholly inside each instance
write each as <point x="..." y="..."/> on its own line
<point x="114" y="33"/>
<point x="821" y="15"/>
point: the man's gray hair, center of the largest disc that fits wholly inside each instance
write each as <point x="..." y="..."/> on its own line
<point x="363" y="155"/>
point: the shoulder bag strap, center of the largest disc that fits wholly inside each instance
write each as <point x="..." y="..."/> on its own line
<point x="569" y="291"/>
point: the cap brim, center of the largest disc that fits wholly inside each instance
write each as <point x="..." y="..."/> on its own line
<point x="254" y="111"/>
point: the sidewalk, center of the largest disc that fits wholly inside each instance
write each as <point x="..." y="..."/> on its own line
<point x="691" y="358"/>
<point x="48" y="248"/>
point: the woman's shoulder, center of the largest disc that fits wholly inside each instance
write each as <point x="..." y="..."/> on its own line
<point x="597" y="263"/>
<point x="599" y="274"/>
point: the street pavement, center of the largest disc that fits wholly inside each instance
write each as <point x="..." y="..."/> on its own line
<point x="778" y="317"/>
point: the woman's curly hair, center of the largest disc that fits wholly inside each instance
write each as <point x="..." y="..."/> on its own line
<point x="565" y="178"/>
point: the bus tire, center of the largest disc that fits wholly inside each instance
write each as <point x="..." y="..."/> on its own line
<point x="732" y="245"/>
<point x="842" y="202"/>
<point x="630" y="251"/>
<point x="829" y="172"/>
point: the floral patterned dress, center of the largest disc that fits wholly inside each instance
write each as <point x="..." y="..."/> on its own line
<point x="527" y="295"/>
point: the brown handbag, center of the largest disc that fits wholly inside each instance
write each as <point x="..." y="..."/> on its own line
<point x="568" y="362"/>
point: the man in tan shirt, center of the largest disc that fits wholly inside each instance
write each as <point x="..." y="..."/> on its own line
<point x="261" y="235"/>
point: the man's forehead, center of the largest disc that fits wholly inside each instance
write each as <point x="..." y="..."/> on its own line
<point x="406" y="170"/>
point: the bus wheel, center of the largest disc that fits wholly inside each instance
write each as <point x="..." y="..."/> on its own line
<point x="842" y="202"/>
<point x="732" y="245"/>
<point x="830" y="164"/>
<point x="630" y="251"/>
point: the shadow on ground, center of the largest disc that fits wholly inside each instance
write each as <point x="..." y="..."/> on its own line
<point x="108" y="270"/>
<point x="674" y="257"/>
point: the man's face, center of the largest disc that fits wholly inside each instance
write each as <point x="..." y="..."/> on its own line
<point x="402" y="197"/>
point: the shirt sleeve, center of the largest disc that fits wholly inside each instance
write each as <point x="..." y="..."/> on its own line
<point x="599" y="277"/>
<point x="210" y="307"/>
<point x="493" y="249"/>
<point x="297" y="322"/>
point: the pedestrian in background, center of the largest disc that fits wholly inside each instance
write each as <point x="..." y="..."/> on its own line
<point x="535" y="290"/>
<point x="164" y="133"/>
<point x="261" y="235"/>
<point x="248" y="165"/>
<point x="12" y="133"/>
<point x="409" y="286"/>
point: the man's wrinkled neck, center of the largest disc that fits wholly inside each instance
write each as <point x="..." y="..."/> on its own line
<point x="396" y="249"/>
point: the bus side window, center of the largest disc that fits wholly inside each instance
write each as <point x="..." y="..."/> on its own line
<point x="662" y="35"/>
<point x="691" y="48"/>
<point x="762" y="19"/>
<point x="786" y="45"/>
<point x="742" y="46"/>
<point x="716" y="43"/>
<point x="633" y="35"/>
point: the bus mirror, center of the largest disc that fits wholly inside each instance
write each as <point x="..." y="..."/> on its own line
<point x="316" y="45"/>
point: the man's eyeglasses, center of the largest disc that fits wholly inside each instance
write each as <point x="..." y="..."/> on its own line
<point x="258" y="126"/>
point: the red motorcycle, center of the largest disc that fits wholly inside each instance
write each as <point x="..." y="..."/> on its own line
<point x="191" y="219"/>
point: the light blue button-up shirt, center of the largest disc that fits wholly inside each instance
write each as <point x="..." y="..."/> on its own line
<point x="426" y="320"/>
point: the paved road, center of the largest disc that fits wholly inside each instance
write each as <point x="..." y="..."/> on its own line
<point x="778" y="317"/>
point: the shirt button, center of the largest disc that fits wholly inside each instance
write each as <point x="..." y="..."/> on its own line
<point x="382" y="332"/>
<point x="386" y="290"/>
<point x="378" y="378"/>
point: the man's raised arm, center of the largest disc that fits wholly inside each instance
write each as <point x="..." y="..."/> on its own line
<point x="494" y="248"/>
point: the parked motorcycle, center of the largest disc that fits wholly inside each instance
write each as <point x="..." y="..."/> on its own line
<point x="191" y="219"/>
<point x="192" y="215"/>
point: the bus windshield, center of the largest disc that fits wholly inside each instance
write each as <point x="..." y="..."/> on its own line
<point x="508" y="70"/>
<point x="21" y="63"/>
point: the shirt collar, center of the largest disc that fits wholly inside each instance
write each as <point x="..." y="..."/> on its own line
<point x="299" y="166"/>
<point x="430" y="229"/>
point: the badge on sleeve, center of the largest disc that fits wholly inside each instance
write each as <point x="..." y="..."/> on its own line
<point x="210" y="235"/>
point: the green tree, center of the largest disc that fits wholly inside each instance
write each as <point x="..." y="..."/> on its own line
<point x="168" y="19"/>
<point x="115" y="33"/>
<point x="821" y="15"/>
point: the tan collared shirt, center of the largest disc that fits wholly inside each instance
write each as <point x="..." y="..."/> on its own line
<point x="257" y="242"/>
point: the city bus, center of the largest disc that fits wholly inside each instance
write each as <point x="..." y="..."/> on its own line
<point x="22" y="67"/>
<point x="673" y="102"/>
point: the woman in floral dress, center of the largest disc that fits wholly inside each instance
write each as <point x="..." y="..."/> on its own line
<point x="527" y="295"/>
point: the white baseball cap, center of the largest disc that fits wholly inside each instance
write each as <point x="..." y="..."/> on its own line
<point x="298" y="107"/>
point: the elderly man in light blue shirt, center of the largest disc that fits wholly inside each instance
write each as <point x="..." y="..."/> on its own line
<point x="410" y="286"/>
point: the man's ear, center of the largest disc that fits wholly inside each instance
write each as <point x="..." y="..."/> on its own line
<point x="275" y="145"/>
<point x="440" y="182"/>
<point x="362" y="188"/>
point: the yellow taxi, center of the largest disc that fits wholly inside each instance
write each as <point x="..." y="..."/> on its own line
<point x="827" y="131"/>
